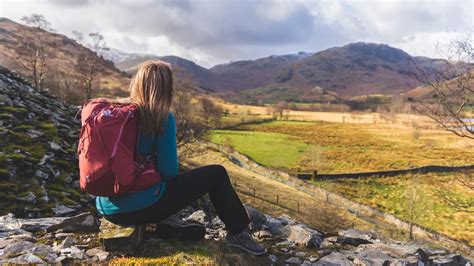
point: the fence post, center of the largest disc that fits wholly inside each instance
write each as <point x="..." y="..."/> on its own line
<point x="254" y="191"/>
<point x="278" y="200"/>
<point x="298" y="206"/>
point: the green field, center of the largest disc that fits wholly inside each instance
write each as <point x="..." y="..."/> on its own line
<point x="268" y="148"/>
<point x="342" y="147"/>
<point x="349" y="147"/>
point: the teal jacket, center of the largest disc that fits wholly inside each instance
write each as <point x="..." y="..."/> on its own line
<point x="167" y="166"/>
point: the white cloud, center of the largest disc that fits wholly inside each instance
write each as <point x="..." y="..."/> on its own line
<point x="211" y="32"/>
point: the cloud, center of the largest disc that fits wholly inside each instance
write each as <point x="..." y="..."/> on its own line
<point x="211" y="32"/>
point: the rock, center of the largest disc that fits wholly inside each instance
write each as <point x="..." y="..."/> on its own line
<point x="312" y="259"/>
<point x="62" y="210"/>
<point x="264" y="234"/>
<point x="68" y="242"/>
<point x="97" y="254"/>
<point x="333" y="259"/>
<point x="198" y="216"/>
<point x="5" y="100"/>
<point x="73" y="253"/>
<point x="62" y="235"/>
<point x="450" y="259"/>
<point x="118" y="239"/>
<point x="277" y="227"/>
<point x="17" y="248"/>
<point x="272" y="258"/>
<point x="29" y="197"/>
<point x="304" y="236"/>
<point x="217" y="223"/>
<point x="55" y="146"/>
<point x="9" y="223"/>
<point x="354" y="237"/>
<point x="84" y="222"/>
<point x="372" y="257"/>
<point x="300" y="254"/>
<point x="26" y="259"/>
<point x="293" y="260"/>
<point x="257" y="219"/>
<point x="393" y="249"/>
<point x="34" y="133"/>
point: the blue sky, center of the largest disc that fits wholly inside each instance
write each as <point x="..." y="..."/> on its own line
<point x="210" y="32"/>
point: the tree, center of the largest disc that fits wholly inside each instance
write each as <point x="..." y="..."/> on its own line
<point x="414" y="203"/>
<point x="32" y="50"/>
<point x="188" y="124"/>
<point x="88" y="64"/>
<point x="451" y="86"/>
<point x="211" y="112"/>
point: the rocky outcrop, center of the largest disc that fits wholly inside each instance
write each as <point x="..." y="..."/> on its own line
<point x="38" y="166"/>
<point x="76" y="239"/>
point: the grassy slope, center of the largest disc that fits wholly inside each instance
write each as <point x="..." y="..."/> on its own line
<point x="346" y="147"/>
<point x="392" y="195"/>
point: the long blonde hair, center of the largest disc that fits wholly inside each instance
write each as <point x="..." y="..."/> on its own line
<point x="152" y="91"/>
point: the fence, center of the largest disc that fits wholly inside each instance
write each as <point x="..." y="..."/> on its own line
<point x="274" y="199"/>
<point x="418" y="170"/>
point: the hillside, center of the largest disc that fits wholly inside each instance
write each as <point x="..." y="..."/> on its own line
<point x="38" y="167"/>
<point x="352" y="70"/>
<point x="62" y="55"/>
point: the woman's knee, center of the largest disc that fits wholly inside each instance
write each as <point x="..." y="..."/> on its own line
<point x="219" y="171"/>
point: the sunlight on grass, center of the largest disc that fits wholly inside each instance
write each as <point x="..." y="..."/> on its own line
<point x="270" y="149"/>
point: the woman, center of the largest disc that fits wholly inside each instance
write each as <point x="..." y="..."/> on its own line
<point x="152" y="91"/>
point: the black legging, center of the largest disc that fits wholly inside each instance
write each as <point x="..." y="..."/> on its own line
<point x="186" y="188"/>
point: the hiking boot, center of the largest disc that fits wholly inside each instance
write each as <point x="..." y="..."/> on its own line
<point x="245" y="242"/>
<point x="175" y="228"/>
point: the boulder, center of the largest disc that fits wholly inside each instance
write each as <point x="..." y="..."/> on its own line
<point x="97" y="254"/>
<point x="304" y="236"/>
<point x="333" y="259"/>
<point x="26" y="259"/>
<point x="84" y="222"/>
<point x="62" y="210"/>
<point x="354" y="237"/>
<point x="293" y="260"/>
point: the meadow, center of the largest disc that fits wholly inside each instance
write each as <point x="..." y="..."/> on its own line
<point x="330" y="147"/>
<point x="335" y="147"/>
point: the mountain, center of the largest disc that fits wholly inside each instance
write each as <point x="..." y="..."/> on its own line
<point x="62" y="54"/>
<point x="38" y="165"/>
<point x="351" y="70"/>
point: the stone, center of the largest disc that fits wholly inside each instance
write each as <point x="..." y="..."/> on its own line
<point x="293" y="260"/>
<point x="312" y="259"/>
<point x="73" y="253"/>
<point x="354" y="237"/>
<point x="300" y="254"/>
<point x="21" y="247"/>
<point x="34" y="133"/>
<point x="118" y="239"/>
<point x="62" y="235"/>
<point x="450" y="260"/>
<point x="84" y="222"/>
<point x="97" y="254"/>
<point x="29" y="197"/>
<point x="62" y="210"/>
<point x="264" y="234"/>
<point x="277" y="227"/>
<point x="68" y="242"/>
<point x="198" y="216"/>
<point x="333" y="259"/>
<point x="304" y="236"/>
<point x="55" y="146"/>
<point x="372" y="257"/>
<point x="257" y="219"/>
<point x="272" y="258"/>
<point x="26" y="259"/>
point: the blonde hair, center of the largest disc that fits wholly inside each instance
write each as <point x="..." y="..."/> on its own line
<point x="152" y="91"/>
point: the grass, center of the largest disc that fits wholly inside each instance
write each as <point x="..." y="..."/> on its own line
<point x="390" y="195"/>
<point x="344" y="147"/>
<point x="268" y="148"/>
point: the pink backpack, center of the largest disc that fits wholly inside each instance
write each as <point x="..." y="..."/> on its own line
<point x="108" y="163"/>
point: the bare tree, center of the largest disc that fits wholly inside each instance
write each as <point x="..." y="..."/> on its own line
<point x="212" y="113"/>
<point x="88" y="64"/>
<point x="451" y="85"/>
<point x="32" y="50"/>
<point x="190" y="127"/>
<point x="414" y="203"/>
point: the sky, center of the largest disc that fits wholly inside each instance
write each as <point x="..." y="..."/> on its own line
<point x="211" y="32"/>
